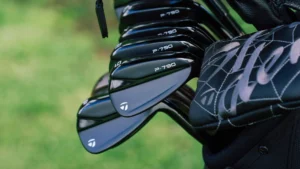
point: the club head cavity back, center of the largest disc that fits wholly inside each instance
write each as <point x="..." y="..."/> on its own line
<point x="153" y="47"/>
<point x="138" y="85"/>
<point x="138" y="12"/>
<point x="100" y="127"/>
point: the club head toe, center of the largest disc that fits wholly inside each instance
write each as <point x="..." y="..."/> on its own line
<point x="100" y="127"/>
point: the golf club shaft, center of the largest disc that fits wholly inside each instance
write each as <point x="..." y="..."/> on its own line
<point x="220" y="10"/>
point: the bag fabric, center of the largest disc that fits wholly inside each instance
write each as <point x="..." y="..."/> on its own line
<point x="248" y="80"/>
<point x="265" y="14"/>
<point x="274" y="144"/>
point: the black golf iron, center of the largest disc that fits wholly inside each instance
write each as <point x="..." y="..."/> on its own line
<point x="101" y="86"/>
<point x="155" y="46"/>
<point x="121" y="4"/>
<point x="138" y="12"/>
<point x="160" y="77"/>
<point x="150" y="31"/>
<point x="100" y="127"/>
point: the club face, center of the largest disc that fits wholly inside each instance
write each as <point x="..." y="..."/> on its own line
<point x="140" y="90"/>
<point x="153" y="47"/>
<point x="100" y="127"/>
<point x="132" y="15"/>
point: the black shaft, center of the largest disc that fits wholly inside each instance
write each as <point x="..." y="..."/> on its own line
<point x="220" y="10"/>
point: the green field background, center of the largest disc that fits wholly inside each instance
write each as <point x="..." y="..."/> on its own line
<point x="51" y="54"/>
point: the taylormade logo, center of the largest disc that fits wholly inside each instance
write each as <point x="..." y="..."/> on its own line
<point x="92" y="143"/>
<point x="124" y="106"/>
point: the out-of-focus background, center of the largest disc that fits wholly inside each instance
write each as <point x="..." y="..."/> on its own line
<point x="51" y="54"/>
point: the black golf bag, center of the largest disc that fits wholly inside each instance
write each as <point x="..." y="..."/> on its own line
<point x="248" y="98"/>
<point x="245" y="110"/>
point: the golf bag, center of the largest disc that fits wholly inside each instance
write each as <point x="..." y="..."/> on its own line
<point x="244" y="110"/>
<point x="248" y="99"/>
<point x="273" y="144"/>
<point x="274" y="12"/>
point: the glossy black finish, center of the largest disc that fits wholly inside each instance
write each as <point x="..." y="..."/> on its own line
<point x="138" y="12"/>
<point x="220" y="10"/>
<point x="101" y="86"/>
<point x="120" y="5"/>
<point x="155" y="3"/>
<point x="100" y="127"/>
<point x="151" y="68"/>
<point x="172" y="23"/>
<point x="101" y="18"/>
<point x="200" y="36"/>
<point x="141" y="90"/>
<point x="154" y="46"/>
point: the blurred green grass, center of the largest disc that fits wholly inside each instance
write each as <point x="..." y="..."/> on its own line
<point x="51" y="55"/>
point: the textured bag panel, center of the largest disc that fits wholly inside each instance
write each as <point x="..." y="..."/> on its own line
<point x="249" y="79"/>
<point x="293" y="4"/>
<point x="274" y="12"/>
<point x="243" y="148"/>
<point x="280" y="149"/>
<point x="294" y="156"/>
<point x="275" y="148"/>
<point x="251" y="10"/>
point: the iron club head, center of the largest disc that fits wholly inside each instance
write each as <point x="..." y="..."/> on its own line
<point x="159" y="79"/>
<point x="100" y="127"/>
<point x="154" y="46"/>
<point x="137" y="13"/>
<point x="200" y="36"/>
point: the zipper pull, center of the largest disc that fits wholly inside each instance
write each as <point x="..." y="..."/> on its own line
<point x="101" y="18"/>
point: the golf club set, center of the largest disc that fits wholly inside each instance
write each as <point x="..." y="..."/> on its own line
<point x="161" y="48"/>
